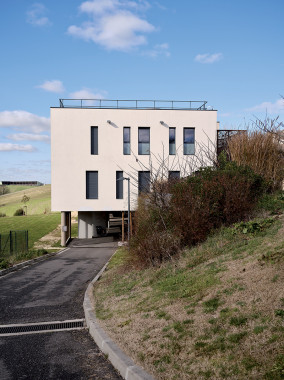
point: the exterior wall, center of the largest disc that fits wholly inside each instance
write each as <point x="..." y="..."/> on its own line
<point x="71" y="151"/>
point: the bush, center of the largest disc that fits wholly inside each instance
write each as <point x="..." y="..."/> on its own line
<point x="261" y="150"/>
<point x="183" y="213"/>
<point x="2" y="214"/>
<point x="19" y="212"/>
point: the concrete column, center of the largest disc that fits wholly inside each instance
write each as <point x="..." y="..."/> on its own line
<point x="63" y="229"/>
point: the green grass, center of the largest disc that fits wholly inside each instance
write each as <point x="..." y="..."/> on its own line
<point x="40" y="197"/>
<point x="37" y="225"/>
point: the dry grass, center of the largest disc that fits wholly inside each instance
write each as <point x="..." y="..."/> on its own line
<point x="215" y="313"/>
<point x="262" y="152"/>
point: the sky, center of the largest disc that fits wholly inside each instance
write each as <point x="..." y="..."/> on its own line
<point x="229" y="53"/>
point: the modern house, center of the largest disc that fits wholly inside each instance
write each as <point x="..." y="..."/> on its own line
<point x="97" y="143"/>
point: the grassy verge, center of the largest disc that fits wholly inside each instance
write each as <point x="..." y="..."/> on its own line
<point x="216" y="312"/>
<point x="15" y="188"/>
<point x="37" y="225"/>
<point x="38" y="204"/>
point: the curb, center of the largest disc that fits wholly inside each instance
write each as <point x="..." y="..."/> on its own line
<point x="121" y="362"/>
<point x="27" y="263"/>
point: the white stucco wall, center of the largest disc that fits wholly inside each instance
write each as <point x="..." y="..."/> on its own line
<point x="71" y="151"/>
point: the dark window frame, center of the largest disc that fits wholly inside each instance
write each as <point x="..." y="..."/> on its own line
<point x="119" y="184"/>
<point x="174" y="143"/>
<point x="142" y="142"/>
<point x="127" y="142"/>
<point x="184" y="143"/>
<point x="88" y="195"/>
<point x="144" y="189"/>
<point x="94" y="140"/>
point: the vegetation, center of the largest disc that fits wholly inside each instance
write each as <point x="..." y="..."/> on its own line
<point x="39" y="200"/>
<point x="215" y="311"/>
<point x="37" y="225"/>
<point x="4" y="190"/>
<point x="19" y="212"/>
<point x="15" y="188"/>
<point x="184" y="212"/>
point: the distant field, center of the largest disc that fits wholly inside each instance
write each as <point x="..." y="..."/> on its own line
<point x="37" y="225"/>
<point x="39" y="202"/>
<point x="14" y="188"/>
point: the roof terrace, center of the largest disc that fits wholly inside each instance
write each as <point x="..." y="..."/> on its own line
<point x="199" y="105"/>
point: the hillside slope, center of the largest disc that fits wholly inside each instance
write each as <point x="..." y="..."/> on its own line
<point x="217" y="312"/>
<point x="39" y="202"/>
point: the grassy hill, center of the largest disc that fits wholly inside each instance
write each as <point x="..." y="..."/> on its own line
<point x="216" y="312"/>
<point x="38" y="204"/>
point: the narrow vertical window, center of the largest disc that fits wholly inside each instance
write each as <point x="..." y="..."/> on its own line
<point x="172" y="141"/>
<point x="144" y="182"/>
<point x="126" y="140"/>
<point x="119" y="185"/>
<point x="188" y="141"/>
<point x="94" y="140"/>
<point x="174" y="175"/>
<point x="92" y="185"/>
<point x="144" y="140"/>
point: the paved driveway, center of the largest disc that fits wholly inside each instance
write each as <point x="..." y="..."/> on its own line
<point x="52" y="290"/>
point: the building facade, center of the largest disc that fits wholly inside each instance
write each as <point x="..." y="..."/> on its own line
<point x="94" y="144"/>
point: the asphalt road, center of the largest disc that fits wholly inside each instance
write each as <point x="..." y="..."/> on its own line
<point x="52" y="290"/>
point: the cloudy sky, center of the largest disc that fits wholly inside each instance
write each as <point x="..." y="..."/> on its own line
<point x="228" y="52"/>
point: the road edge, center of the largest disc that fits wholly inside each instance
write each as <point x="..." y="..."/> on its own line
<point x="121" y="362"/>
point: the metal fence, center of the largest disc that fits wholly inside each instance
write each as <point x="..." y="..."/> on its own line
<point x="13" y="243"/>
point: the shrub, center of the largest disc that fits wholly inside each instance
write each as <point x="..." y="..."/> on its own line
<point x="184" y="212"/>
<point x="261" y="150"/>
<point x="19" y="212"/>
<point x="2" y="214"/>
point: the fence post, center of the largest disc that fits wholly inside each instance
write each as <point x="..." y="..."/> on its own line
<point x="11" y="243"/>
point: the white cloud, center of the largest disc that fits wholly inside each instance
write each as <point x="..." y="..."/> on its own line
<point x="159" y="50"/>
<point x="8" y="147"/>
<point x="113" y="24"/>
<point x="86" y="93"/>
<point x="29" y="137"/>
<point x="36" y="15"/>
<point x="208" y="58"/>
<point x="52" y="86"/>
<point x="272" y="108"/>
<point x="25" y="121"/>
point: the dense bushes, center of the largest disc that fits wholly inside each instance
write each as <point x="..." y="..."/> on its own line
<point x="182" y="213"/>
<point x="19" y="212"/>
<point x="2" y="214"/>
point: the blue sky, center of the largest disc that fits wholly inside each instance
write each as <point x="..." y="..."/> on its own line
<point x="227" y="52"/>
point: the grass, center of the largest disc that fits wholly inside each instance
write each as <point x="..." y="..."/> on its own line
<point x="215" y="312"/>
<point x="37" y="225"/>
<point x="39" y="202"/>
<point x="15" y="188"/>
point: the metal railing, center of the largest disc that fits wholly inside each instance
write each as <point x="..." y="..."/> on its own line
<point x="134" y="104"/>
<point x="13" y="243"/>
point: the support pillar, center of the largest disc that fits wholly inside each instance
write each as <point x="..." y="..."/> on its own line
<point x="63" y="229"/>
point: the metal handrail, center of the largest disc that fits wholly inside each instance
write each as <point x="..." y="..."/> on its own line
<point x="134" y="104"/>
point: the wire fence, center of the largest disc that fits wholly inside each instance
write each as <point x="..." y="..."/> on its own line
<point x="14" y="243"/>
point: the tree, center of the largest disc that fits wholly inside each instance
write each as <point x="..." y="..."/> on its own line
<point x="4" y="189"/>
<point x="25" y="200"/>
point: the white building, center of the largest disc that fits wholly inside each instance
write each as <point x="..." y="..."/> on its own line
<point x="96" y="142"/>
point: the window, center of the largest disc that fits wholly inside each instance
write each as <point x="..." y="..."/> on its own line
<point x="174" y="175"/>
<point x="92" y="185"/>
<point x="126" y="140"/>
<point x="172" y="141"/>
<point x="119" y="185"/>
<point x="94" y="140"/>
<point x="143" y="182"/>
<point x="188" y="141"/>
<point x="144" y="140"/>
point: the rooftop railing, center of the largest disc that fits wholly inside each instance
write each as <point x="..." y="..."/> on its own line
<point x="134" y="104"/>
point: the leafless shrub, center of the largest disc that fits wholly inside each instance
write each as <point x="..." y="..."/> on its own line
<point x="261" y="148"/>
